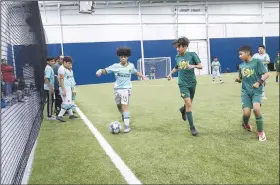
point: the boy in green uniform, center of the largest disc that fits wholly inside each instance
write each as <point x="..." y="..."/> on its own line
<point x="185" y="64"/>
<point x="277" y="66"/>
<point x="252" y="74"/>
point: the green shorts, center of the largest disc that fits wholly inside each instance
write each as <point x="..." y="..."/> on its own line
<point x="187" y="92"/>
<point x="249" y="100"/>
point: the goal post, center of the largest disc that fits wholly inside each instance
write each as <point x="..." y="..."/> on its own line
<point x="154" y="68"/>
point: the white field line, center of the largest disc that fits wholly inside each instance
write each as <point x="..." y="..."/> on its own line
<point x="115" y="158"/>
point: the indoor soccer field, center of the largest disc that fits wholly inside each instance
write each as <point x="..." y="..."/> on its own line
<point x="160" y="148"/>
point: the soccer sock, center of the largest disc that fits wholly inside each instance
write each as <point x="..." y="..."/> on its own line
<point x="259" y="122"/>
<point x="70" y="112"/>
<point x="190" y="118"/>
<point x="62" y="112"/>
<point x="246" y="119"/>
<point x="276" y="78"/>
<point x="126" y="118"/>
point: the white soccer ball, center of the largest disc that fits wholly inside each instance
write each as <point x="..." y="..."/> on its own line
<point x="115" y="127"/>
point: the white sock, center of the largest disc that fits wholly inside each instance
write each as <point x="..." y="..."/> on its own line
<point x="62" y="112"/>
<point x="126" y="122"/>
<point x="70" y="112"/>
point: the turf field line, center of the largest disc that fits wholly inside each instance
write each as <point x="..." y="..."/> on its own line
<point x="115" y="158"/>
<point x="28" y="168"/>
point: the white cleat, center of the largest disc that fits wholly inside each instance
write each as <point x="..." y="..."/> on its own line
<point x="51" y="118"/>
<point x="127" y="129"/>
<point x="264" y="98"/>
<point x="262" y="136"/>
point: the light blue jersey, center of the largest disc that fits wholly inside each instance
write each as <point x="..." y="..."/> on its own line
<point x="263" y="58"/>
<point x="122" y="75"/>
<point x="49" y="74"/>
<point x="67" y="75"/>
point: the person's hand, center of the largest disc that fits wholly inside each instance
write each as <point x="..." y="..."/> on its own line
<point x="238" y="80"/>
<point x="74" y="93"/>
<point x="99" y="72"/>
<point x="145" y="78"/>
<point x="256" y="85"/>
<point x="52" y="89"/>
<point x="169" y="77"/>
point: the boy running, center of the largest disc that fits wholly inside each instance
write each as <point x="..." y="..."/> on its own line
<point x="216" y="68"/>
<point x="186" y="62"/>
<point x="66" y="82"/>
<point x="252" y="74"/>
<point x="122" y="87"/>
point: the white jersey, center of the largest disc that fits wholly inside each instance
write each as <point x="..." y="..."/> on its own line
<point x="67" y="75"/>
<point x="264" y="57"/>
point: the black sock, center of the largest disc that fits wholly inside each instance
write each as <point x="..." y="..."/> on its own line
<point x="276" y="78"/>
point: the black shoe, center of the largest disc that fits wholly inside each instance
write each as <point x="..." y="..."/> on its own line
<point x="73" y="117"/>
<point x="61" y="119"/>
<point x="183" y="112"/>
<point x="193" y="131"/>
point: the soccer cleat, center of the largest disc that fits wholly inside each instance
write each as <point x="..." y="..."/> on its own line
<point x="193" y="131"/>
<point x="127" y="129"/>
<point x="261" y="136"/>
<point x="247" y="127"/>
<point x="182" y="110"/>
<point x="73" y="117"/>
<point x="60" y="118"/>
<point x="51" y="118"/>
<point x="264" y="98"/>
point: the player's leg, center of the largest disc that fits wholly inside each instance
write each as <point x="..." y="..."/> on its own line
<point x="277" y="75"/>
<point x="188" y="98"/>
<point x="259" y="119"/>
<point x="118" y="101"/>
<point x="247" y="106"/>
<point x="263" y="91"/>
<point x="70" y="104"/>
<point x="125" y="94"/>
<point x="219" y="76"/>
<point x="50" y="105"/>
<point x="58" y="102"/>
<point x="214" y="75"/>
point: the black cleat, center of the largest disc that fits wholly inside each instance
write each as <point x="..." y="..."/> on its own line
<point x="193" y="131"/>
<point x="60" y="118"/>
<point x="73" y="117"/>
<point x="183" y="112"/>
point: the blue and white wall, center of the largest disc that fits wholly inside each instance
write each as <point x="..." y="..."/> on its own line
<point x="92" y="39"/>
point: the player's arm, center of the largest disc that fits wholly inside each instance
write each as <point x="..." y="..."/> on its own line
<point x="174" y="70"/>
<point x="61" y="74"/>
<point x="239" y="78"/>
<point x="197" y="61"/>
<point x="105" y="71"/>
<point x="47" y="78"/>
<point x="137" y="73"/>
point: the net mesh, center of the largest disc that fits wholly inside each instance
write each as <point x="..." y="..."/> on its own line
<point x="155" y="68"/>
<point x="23" y="56"/>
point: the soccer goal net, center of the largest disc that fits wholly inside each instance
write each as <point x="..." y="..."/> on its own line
<point x="154" y="68"/>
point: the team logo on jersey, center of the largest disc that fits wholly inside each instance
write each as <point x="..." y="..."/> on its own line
<point x="183" y="64"/>
<point x="247" y="72"/>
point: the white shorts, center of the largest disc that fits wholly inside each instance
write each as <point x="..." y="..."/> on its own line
<point x="122" y="96"/>
<point x="216" y="74"/>
<point x="66" y="100"/>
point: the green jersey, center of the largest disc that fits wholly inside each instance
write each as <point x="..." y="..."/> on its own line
<point x="216" y="65"/>
<point x="186" y="77"/>
<point x="250" y="73"/>
<point x="277" y="66"/>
